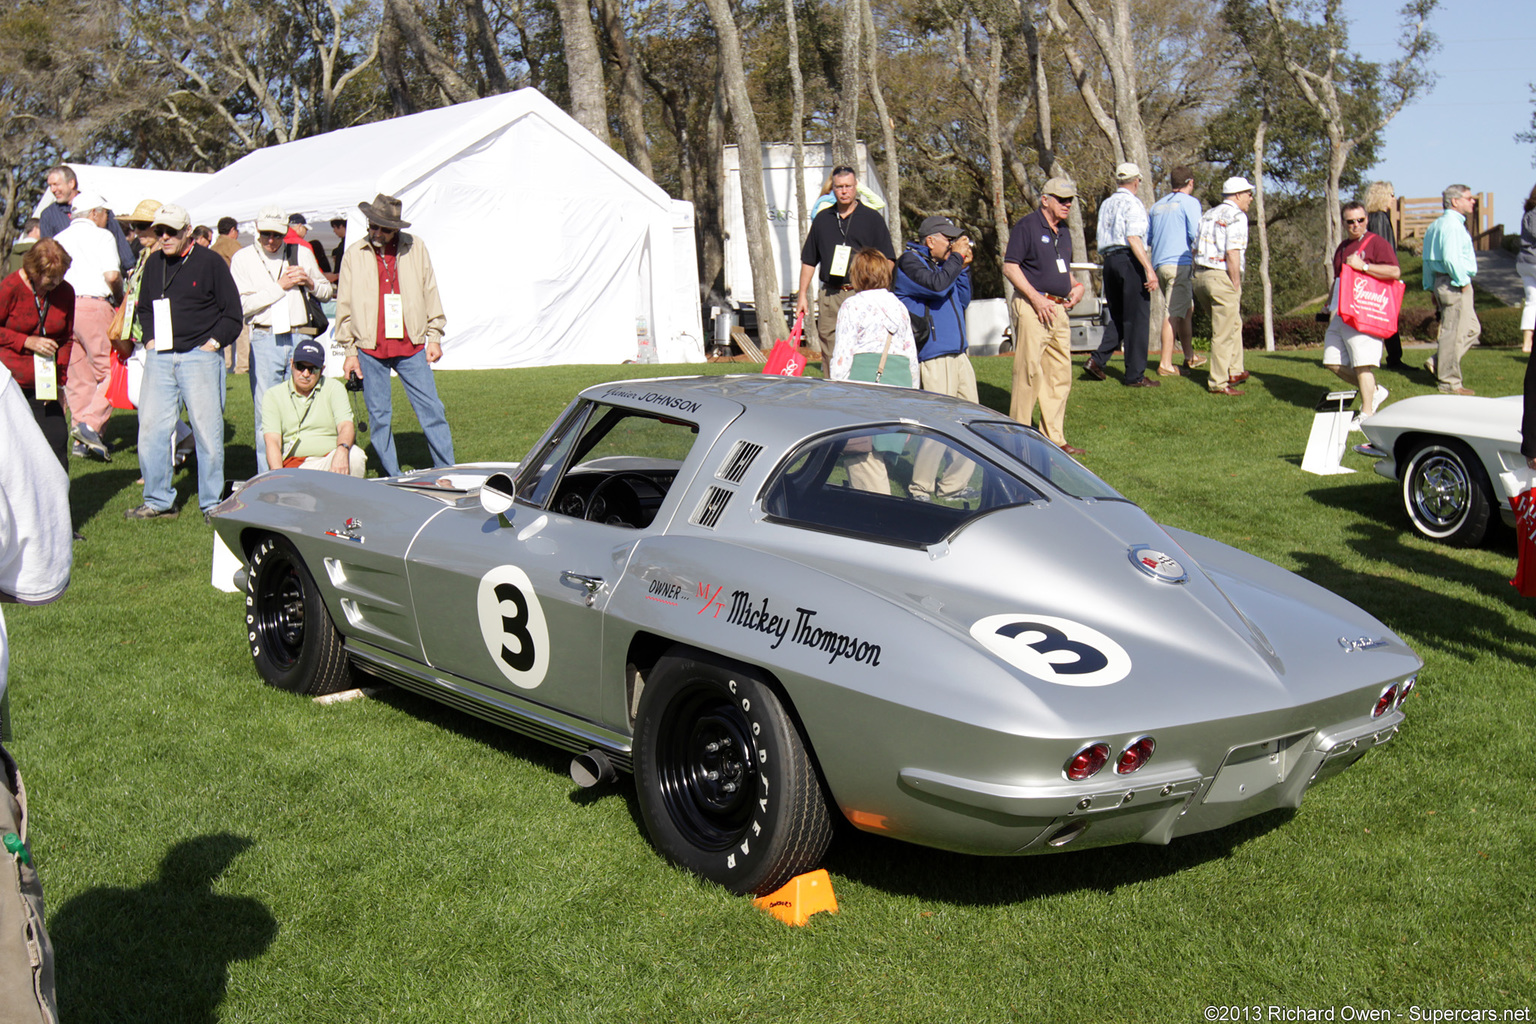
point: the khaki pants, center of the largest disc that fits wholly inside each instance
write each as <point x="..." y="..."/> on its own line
<point x="1459" y="330"/>
<point x="1042" y="368"/>
<point x="26" y="955"/>
<point x="357" y="461"/>
<point x="953" y="376"/>
<point x="827" y="306"/>
<point x="237" y="357"/>
<point x="90" y="364"/>
<point x="1214" y="289"/>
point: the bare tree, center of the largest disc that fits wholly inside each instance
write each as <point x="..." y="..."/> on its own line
<point x="797" y="99"/>
<point x="845" y="122"/>
<point x="887" y="128"/>
<point x="754" y="201"/>
<point x="1258" y="200"/>
<point x="1320" y="72"/>
<point x="985" y="88"/>
<point x="630" y="86"/>
<point x="584" y="67"/>
<point x="1117" y="47"/>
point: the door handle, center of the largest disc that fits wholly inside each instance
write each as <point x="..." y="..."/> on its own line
<point x="594" y="584"/>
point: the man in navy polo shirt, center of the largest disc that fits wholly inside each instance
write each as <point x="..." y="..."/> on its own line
<point x="1037" y="263"/>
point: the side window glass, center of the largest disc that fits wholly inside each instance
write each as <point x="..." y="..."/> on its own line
<point x="1032" y="449"/>
<point x="536" y="480"/>
<point x="894" y="484"/>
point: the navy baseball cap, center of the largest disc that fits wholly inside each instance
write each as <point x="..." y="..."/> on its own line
<point x="310" y="352"/>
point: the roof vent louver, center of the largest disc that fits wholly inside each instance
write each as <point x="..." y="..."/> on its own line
<point x="738" y="461"/>
<point x="711" y="508"/>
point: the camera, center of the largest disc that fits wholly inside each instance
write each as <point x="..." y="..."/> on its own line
<point x="354" y="382"/>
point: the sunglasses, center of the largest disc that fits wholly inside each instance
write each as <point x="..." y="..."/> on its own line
<point x="269" y="234"/>
<point x="140" y="225"/>
<point x="380" y="229"/>
<point x="1358" y="220"/>
<point x="305" y="368"/>
<point x="1063" y="202"/>
<point x="161" y="231"/>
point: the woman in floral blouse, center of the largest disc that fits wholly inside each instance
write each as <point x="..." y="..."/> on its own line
<point x="867" y="319"/>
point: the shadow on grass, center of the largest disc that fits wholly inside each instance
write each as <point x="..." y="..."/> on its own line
<point x="969" y="880"/>
<point x="160" y="952"/>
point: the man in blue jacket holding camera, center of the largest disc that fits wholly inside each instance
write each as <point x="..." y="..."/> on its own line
<point x="933" y="280"/>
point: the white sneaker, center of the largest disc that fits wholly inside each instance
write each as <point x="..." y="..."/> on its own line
<point x="1381" y="399"/>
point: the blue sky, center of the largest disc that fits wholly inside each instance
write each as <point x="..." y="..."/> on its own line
<point x="1463" y="129"/>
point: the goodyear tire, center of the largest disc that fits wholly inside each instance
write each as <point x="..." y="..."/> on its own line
<point x="1446" y="493"/>
<point x="293" y="642"/>
<point x="726" y="786"/>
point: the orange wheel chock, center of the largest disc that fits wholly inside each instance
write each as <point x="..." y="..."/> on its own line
<point x="796" y="900"/>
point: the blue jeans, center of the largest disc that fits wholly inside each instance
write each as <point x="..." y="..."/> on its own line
<point x="171" y="379"/>
<point x="416" y="374"/>
<point x="270" y="354"/>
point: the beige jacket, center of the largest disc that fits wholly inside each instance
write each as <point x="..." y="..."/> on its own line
<point x="357" y="296"/>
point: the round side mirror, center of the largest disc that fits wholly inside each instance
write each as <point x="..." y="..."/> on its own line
<point x="496" y="493"/>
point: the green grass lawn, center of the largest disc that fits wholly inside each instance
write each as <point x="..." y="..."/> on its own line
<point x="214" y="849"/>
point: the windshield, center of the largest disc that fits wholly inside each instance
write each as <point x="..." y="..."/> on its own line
<point x="1030" y="447"/>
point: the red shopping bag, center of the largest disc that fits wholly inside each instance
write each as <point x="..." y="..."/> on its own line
<point x="1369" y="305"/>
<point x="1524" y="505"/>
<point x="786" y="359"/>
<point x="117" y="384"/>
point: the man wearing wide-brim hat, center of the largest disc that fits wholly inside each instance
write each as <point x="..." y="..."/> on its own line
<point x="390" y="317"/>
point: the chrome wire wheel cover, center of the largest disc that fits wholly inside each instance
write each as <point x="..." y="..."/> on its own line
<point x="1441" y="490"/>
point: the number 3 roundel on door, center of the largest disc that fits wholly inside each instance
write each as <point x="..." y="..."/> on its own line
<point x="1053" y="649"/>
<point x="512" y="624"/>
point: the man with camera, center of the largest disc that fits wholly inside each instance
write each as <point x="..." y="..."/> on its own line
<point x="272" y="276"/>
<point x="933" y="280"/>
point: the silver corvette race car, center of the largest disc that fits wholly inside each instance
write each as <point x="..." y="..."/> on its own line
<point x="775" y="600"/>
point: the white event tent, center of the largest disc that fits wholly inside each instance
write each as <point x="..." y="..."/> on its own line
<point x="549" y="247"/>
<point x="126" y="187"/>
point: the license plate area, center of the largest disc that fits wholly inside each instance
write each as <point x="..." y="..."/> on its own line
<point x="1255" y="767"/>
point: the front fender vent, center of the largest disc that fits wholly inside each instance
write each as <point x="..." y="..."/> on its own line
<point x="712" y="507"/>
<point x="738" y="461"/>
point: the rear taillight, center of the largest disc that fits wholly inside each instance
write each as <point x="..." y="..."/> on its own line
<point x="1135" y="755"/>
<point x="1385" y="702"/>
<point x="1404" y="690"/>
<point x="1086" y="762"/>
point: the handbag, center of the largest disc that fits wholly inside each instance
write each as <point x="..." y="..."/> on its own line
<point x="318" y="321"/>
<point x="871" y="368"/>
<point x="315" y="321"/>
<point x="1523" y="503"/>
<point x="1368" y="304"/>
<point x="115" y="328"/>
<point x="922" y="326"/>
<point x="117" y="384"/>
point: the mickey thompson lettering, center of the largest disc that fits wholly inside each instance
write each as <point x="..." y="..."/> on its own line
<point x="757" y="616"/>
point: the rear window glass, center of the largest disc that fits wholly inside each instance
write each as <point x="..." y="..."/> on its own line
<point x="895" y="484"/>
<point x="1035" y="451"/>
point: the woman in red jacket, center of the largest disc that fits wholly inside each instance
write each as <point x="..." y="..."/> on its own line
<point x="37" y="318"/>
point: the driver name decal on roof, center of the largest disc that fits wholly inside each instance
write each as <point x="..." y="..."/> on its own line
<point x="512" y="625"/>
<point x="654" y="398"/>
<point x="1053" y="649"/>
<point x="799" y="629"/>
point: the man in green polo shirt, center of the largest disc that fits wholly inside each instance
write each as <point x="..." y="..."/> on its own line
<point x="307" y="421"/>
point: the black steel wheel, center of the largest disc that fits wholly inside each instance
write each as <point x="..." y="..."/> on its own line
<point x="1446" y="493"/>
<point x="294" y="645"/>
<point x="726" y="786"/>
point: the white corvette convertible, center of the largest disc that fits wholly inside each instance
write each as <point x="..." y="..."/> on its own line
<point x="1456" y="457"/>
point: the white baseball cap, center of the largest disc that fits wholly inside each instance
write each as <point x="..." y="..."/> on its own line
<point x="1232" y="186"/>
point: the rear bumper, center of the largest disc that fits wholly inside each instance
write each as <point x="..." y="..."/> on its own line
<point x="1156" y="808"/>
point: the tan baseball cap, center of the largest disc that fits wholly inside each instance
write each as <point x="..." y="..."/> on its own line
<point x="1061" y="188"/>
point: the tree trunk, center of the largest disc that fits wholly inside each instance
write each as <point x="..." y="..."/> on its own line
<point x="845" y="122"/>
<point x="754" y="202"/>
<point x="887" y="129"/>
<point x="417" y="37"/>
<point x="1258" y="201"/>
<point x="584" y="68"/>
<point x="797" y="117"/>
<point x="631" y="87"/>
<point x="1117" y="46"/>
